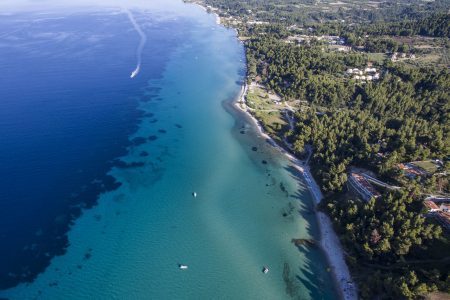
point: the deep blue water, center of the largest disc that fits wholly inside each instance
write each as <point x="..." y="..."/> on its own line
<point x="66" y="111"/>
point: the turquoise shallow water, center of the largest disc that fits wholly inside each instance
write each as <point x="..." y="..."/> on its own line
<point x="130" y="244"/>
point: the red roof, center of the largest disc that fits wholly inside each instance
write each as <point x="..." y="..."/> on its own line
<point x="444" y="216"/>
<point x="430" y="204"/>
<point x="361" y="180"/>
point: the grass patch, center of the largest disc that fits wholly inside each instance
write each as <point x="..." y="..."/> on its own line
<point x="428" y="165"/>
<point x="377" y="57"/>
<point x="266" y="110"/>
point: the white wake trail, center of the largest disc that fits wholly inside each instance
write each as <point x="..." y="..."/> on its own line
<point x="141" y="43"/>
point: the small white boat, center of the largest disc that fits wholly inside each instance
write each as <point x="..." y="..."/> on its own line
<point x="265" y="270"/>
<point x="194" y="194"/>
<point x="182" y="267"/>
<point x="135" y="72"/>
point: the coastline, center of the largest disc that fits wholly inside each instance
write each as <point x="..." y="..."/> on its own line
<point x="329" y="241"/>
<point x="218" y="20"/>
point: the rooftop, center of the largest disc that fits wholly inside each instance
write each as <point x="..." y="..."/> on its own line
<point x="362" y="186"/>
<point x="440" y="212"/>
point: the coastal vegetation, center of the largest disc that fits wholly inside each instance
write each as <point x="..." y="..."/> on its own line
<point x="402" y="117"/>
<point x="391" y="245"/>
<point x="367" y="86"/>
<point x="313" y="11"/>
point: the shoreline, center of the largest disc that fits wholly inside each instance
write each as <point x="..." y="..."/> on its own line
<point x="218" y="20"/>
<point x="329" y="241"/>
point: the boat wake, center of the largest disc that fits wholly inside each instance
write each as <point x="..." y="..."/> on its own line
<point x="141" y="43"/>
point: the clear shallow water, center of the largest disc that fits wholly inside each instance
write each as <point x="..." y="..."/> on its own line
<point x="180" y="139"/>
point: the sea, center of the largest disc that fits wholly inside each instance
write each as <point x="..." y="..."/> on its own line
<point x="112" y="118"/>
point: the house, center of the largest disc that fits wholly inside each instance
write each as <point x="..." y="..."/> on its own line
<point x="394" y="56"/>
<point x="361" y="186"/>
<point x="370" y="70"/>
<point x="441" y="213"/>
<point x="344" y="49"/>
<point x="431" y="206"/>
<point x="411" y="171"/>
<point x="369" y="73"/>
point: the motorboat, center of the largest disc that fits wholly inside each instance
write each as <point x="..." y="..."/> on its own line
<point x="265" y="270"/>
<point x="182" y="267"/>
<point x="135" y="72"/>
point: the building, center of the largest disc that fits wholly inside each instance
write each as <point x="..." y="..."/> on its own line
<point x="370" y="70"/>
<point x="440" y="212"/>
<point x="366" y="74"/>
<point x="344" y="49"/>
<point x="412" y="171"/>
<point x="431" y="206"/>
<point x="360" y="185"/>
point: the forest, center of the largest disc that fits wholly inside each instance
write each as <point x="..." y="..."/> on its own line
<point x="393" y="251"/>
<point x="434" y="25"/>
<point x="403" y="117"/>
<point x="301" y="12"/>
<point x="375" y="125"/>
<point x="391" y="246"/>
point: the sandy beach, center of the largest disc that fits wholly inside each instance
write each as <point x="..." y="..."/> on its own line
<point x="205" y="9"/>
<point x="329" y="240"/>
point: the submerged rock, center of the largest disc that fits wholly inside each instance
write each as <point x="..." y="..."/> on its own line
<point x="303" y="242"/>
